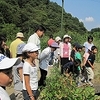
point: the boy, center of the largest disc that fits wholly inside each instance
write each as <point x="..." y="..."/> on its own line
<point x="6" y="77"/>
<point x="72" y="66"/>
<point x="90" y="64"/>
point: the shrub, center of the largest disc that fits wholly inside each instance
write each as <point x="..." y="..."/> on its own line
<point x="60" y="87"/>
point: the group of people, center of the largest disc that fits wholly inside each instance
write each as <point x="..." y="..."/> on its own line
<point x="23" y="60"/>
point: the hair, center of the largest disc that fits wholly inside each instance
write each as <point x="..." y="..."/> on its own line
<point x="41" y="28"/>
<point x="93" y="47"/>
<point x="78" y="47"/>
<point x="90" y="37"/>
<point x="6" y="71"/>
<point x="25" y="55"/>
<point x="2" y="38"/>
<point x="50" y="36"/>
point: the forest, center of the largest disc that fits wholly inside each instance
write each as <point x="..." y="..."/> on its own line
<point x="25" y="15"/>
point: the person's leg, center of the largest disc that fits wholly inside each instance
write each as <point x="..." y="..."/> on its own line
<point x="25" y="95"/>
<point x="43" y="77"/>
<point x="63" y="62"/>
<point x="90" y="75"/>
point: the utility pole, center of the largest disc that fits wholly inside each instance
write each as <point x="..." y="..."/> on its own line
<point x="62" y="16"/>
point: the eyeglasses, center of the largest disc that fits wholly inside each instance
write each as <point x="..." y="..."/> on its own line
<point x="35" y="52"/>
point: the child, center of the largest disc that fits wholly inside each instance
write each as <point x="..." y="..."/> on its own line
<point x="65" y="48"/>
<point x="6" y="77"/>
<point x="30" y="76"/>
<point x="90" y="64"/>
<point x="85" y="57"/>
<point x="71" y="67"/>
<point x="44" y="62"/>
<point x="78" y="56"/>
<point x="18" y="74"/>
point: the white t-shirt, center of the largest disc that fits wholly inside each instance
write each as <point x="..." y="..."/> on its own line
<point x="87" y="45"/>
<point x="3" y="94"/>
<point x="32" y="72"/>
<point x="45" y="58"/>
<point x="34" y="39"/>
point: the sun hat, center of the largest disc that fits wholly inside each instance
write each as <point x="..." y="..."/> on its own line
<point x="20" y="48"/>
<point x="57" y="39"/>
<point x="54" y="45"/>
<point x="30" y="47"/>
<point x="19" y="34"/>
<point x="66" y="36"/>
<point x="6" y="63"/>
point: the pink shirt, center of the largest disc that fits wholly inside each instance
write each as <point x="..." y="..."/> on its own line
<point x="64" y="50"/>
<point x="86" y="55"/>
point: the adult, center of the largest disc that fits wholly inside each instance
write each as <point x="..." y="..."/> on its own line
<point x="45" y="58"/>
<point x="15" y="43"/>
<point x="51" y="40"/>
<point x="88" y="43"/>
<point x="35" y="38"/>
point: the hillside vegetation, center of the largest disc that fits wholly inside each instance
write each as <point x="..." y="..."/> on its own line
<point x="25" y="15"/>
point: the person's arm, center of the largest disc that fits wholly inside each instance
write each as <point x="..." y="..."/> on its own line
<point x="20" y="71"/>
<point x="90" y="64"/>
<point x="43" y="55"/>
<point x="28" y="88"/>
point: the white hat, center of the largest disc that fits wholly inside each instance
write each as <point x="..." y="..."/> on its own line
<point x="30" y="47"/>
<point x="57" y="38"/>
<point x="65" y="36"/>
<point x="54" y="45"/>
<point x="6" y="63"/>
<point x="19" y="34"/>
<point x="20" y="48"/>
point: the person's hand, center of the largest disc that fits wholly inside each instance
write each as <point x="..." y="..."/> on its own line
<point x="93" y="67"/>
<point x="32" y="98"/>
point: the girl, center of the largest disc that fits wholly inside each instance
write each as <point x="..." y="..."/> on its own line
<point x="30" y="77"/>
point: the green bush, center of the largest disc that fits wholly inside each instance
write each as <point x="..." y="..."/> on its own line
<point x="59" y="87"/>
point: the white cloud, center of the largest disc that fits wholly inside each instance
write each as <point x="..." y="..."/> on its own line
<point x="81" y="20"/>
<point x="89" y="19"/>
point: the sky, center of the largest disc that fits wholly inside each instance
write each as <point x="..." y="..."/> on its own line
<point x="87" y="11"/>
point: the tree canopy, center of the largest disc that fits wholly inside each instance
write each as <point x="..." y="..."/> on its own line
<point x="25" y="15"/>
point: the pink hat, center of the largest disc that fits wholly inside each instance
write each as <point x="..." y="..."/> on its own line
<point x="54" y="45"/>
